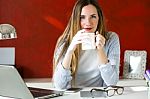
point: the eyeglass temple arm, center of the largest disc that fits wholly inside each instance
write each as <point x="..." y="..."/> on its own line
<point x="95" y="89"/>
<point x="114" y="87"/>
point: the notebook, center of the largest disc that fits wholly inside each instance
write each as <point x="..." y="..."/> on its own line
<point x="13" y="86"/>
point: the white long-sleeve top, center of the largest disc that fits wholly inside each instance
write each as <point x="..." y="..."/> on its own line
<point x="89" y="72"/>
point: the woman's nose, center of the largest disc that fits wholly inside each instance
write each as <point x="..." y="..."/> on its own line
<point x="87" y="21"/>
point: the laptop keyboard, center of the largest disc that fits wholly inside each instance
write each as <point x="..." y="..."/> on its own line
<point x="44" y="93"/>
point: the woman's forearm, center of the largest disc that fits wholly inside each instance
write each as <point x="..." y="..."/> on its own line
<point x="109" y="74"/>
<point x="102" y="56"/>
<point x="67" y="59"/>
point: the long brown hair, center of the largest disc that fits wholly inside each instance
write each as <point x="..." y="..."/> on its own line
<point x="72" y="27"/>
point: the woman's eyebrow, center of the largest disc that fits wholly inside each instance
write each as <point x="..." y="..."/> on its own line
<point x="93" y="14"/>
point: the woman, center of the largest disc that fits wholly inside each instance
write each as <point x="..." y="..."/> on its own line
<point x="74" y="67"/>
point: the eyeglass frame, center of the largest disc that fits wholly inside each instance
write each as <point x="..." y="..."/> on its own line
<point x="115" y="88"/>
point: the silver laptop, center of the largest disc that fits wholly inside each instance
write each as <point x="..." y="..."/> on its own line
<point x="13" y="86"/>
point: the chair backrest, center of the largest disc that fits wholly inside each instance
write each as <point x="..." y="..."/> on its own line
<point x="7" y="55"/>
<point x="134" y="64"/>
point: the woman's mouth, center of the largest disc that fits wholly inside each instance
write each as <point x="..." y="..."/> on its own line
<point x="87" y="29"/>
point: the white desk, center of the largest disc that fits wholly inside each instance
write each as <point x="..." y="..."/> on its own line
<point x="134" y="89"/>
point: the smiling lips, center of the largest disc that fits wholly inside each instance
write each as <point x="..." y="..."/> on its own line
<point x="87" y="29"/>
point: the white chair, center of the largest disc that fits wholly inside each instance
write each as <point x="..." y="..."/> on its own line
<point x="7" y="56"/>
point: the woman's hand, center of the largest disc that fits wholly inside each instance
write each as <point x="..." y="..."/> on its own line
<point x="77" y="39"/>
<point x="100" y="41"/>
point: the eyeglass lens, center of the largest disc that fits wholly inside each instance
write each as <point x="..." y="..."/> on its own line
<point x="111" y="92"/>
<point x="119" y="91"/>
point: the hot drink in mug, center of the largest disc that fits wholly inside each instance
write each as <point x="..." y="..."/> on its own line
<point x="89" y="42"/>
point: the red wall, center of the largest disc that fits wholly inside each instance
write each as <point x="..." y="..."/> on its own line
<point x="39" y="23"/>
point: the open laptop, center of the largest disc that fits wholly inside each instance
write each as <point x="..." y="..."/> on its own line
<point x="13" y="86"/>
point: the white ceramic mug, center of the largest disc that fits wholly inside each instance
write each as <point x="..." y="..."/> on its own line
<point x="89" y="42"/>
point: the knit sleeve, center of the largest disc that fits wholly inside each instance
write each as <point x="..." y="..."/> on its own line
<point x="110" y="71"/>
<point x="61" y="77"/>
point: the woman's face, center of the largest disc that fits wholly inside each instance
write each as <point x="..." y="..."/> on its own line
<point x="89" y="18"/>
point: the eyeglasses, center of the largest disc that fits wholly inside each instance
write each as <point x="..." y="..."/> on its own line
<point x="110" y="90"/>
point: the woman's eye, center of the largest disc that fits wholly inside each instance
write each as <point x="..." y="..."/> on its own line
<point x="93" y="16"/>
<point x="82" y="17"/>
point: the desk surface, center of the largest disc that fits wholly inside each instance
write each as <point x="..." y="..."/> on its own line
<point x="134" y="89"/>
